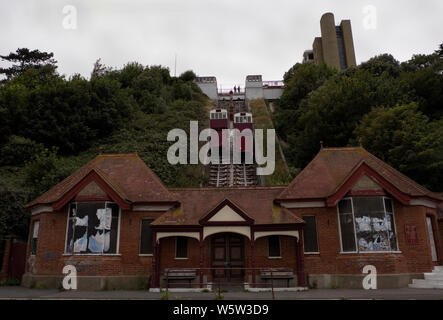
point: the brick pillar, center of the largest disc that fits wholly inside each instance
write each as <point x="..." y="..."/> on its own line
<point x="253" y="258"/>
<point x="154" y="261"/>
<point x="300" y="260"/>
<point x="6" y="255"/>
<point x="202" y="249"/>
<point x="159" y="250"/>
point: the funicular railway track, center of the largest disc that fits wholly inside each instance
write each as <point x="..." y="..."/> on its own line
<point x="229" y="175"/>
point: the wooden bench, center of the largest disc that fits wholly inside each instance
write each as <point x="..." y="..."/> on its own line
<point x="179" y="275"/>
<point x="277" y="274"/>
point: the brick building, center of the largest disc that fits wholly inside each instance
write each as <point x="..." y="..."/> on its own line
<point x="117" y="223"/>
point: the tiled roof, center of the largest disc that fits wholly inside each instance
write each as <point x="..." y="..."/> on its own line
<point x="331" y="167"/>
<point x="256" y="202"/>
<point x="127" y="174"/>
<point x="134" y="182"/>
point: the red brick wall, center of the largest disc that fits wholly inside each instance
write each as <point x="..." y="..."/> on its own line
<point x="417" y="256"/>
<point x="6" y="256"/>
<point x="51" y="245"/>
<point x="413" y="257"/>
<point x="287" y="247"/>
<point x="440" y="226"/>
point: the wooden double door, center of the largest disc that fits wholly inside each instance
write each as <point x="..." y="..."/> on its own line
<point x="227" y="256"/>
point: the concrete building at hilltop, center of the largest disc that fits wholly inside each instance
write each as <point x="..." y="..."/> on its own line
<point x="335" y="47"/>
<point x="255" y="88"/>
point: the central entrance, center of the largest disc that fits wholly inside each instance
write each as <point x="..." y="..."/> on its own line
<point x="227" y="251"/>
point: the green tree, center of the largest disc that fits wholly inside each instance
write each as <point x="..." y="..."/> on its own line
<point x="384" y="63"/>
<point x="99" y="69"/>
<point x="305" y="78"/>
<point x="45" y="170"/>
<point x="14" y="219"/>
<point x="68" y="114"/>
<point x="423" y="76"/>
<point x="188" y="76"/>
<point x="332" y="112"/>
<point x="300" y="81"/>
<point x="24" y="59"/>
<point x="18" y="150"/>
<point x="127" y="75"/>
<point x="405" y="138"/>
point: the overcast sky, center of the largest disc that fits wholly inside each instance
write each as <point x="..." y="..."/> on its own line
<point x="228" y="39"/>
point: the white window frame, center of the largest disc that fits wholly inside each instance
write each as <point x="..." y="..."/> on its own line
<point x="394" y="225"/>
<point x="33" y="232"/>
<point x="89" y="253"/>
<point x="355" y="232"/>
<point x="339" y="227"/>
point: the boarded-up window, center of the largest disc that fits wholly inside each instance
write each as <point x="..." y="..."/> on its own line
<point x="310" y="234"/>
<point x="35" y="237"/>
<point x="181" y="247"/>
<point x="274" y="246"/>
<point x="146" y="237"/>
<point x="367" y="224"/>
<point x="93" y="227"/>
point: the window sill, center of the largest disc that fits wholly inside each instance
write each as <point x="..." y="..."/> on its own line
<point x="274" y="258"/>
<point x="91" y="255"/>
<point x="372" y="252"/>
<point x="145" y="254"/>
<point x="181" y="258"/>
<point x="313" y="253"/>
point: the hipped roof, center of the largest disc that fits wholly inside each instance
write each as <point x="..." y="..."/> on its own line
<point x="256" y="202"/>
<point x="332" y="167"/>
<point x="126" y="174"/>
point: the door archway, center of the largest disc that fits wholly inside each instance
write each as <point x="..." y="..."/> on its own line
<point x="228" y="255"/>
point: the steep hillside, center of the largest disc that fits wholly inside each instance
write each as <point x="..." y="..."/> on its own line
<point x="262" y="120"/>
<point x="51" y="126"/>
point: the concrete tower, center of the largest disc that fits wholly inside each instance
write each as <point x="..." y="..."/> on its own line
<point x="329" y="40"/>
<point x="335" y="47"/>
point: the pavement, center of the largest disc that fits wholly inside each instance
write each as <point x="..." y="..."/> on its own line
<point x="22" y="293"/>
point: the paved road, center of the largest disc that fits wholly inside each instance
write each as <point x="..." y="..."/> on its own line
<point x="338" y="294"/>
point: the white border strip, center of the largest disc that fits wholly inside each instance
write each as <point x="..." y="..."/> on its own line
<point x="261" y="234"/>
<point x="307" y="204"/>
<point x="150" y="208"/>
<point x="41" y="209"/>
<point x="195" y="235"/>
<point x="422" y="202"/>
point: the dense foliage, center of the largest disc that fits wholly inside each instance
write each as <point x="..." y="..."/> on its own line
<point x="51" y="125"/>
<point x="393" y="109"/>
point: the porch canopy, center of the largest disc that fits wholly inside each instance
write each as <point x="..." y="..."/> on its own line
<point x="248" y="211"/>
